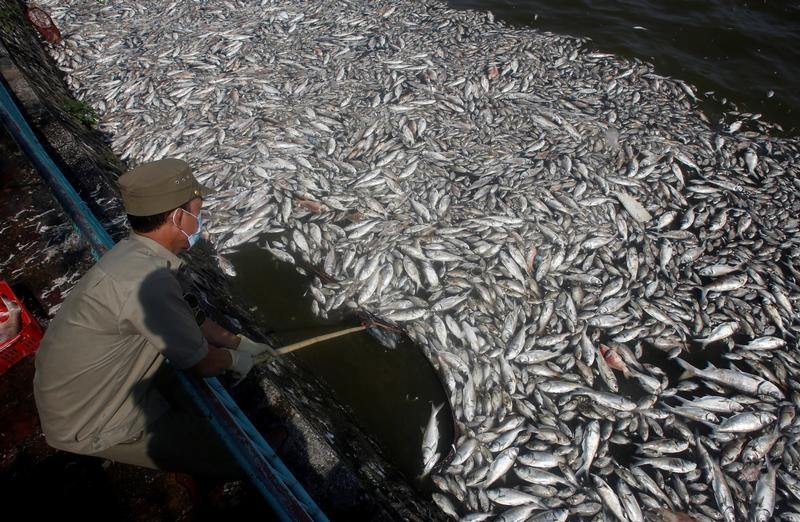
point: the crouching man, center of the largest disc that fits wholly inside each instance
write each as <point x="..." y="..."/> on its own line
<point x="101" y="385"/>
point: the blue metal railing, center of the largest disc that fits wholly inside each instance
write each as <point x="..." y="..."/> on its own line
<point x="268" y="473"/>
<point x="81" y="216"/>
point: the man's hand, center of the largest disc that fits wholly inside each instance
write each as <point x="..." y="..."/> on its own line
<point x="260" y="351"/>
<point x="241" y="364"/>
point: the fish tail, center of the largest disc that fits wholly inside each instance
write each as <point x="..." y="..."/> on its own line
<point x="689" y="370"/>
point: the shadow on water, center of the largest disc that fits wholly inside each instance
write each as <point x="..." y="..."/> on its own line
<point x="389" y="391"/>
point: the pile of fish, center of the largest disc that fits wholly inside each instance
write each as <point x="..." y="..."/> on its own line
<point x="563" y="231"/>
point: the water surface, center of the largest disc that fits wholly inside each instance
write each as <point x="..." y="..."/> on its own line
<point x="741" y="50"/>
<point x="389" y="391"/>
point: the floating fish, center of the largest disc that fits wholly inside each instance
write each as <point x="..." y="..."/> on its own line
<point x="512" y="200"/>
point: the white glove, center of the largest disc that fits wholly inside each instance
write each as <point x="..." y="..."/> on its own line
<point x="253" y="348"/>
<point x="241" y="363"/>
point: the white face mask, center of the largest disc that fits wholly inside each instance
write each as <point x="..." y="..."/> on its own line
<point x="192" y="238"/>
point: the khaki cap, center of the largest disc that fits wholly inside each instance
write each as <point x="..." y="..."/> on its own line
<point x="159" y="186"/>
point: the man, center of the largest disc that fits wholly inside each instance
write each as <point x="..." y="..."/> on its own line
<point x="101" y="386"/>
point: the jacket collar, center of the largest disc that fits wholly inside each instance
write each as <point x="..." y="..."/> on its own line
<point x="173" y="261"/>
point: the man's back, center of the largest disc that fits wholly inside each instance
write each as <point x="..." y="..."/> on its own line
<point x="95" y="364"/>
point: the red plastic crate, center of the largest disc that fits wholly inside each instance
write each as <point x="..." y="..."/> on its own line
<point x="26" y="341"/>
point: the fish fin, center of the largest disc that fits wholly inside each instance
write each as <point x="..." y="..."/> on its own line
<point x="676" y="352"/>
<point x="428" y="466"/>
<point x="709" y="424"/>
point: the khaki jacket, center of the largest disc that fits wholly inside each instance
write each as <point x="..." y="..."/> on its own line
<point x="94" y="367"/>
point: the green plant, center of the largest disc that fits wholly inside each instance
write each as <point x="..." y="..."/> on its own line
<point x="82" y="112"/>
<point x="10" y="17"/>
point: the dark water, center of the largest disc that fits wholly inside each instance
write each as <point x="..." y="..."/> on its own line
<point x="389" y="391"/>
<point x="739" y="49"/>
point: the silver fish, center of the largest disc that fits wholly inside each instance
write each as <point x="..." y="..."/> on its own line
<point x="430" y="441"/>
<point x="589" y="446"/>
